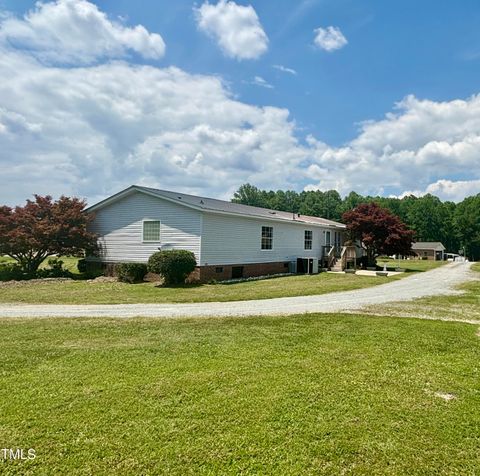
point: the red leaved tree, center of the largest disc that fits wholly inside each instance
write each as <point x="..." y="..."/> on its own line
<point x="44" y="227"/>
<point x="379" y="230"/>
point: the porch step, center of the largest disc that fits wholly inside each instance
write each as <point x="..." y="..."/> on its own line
<point x="337" y="267"/>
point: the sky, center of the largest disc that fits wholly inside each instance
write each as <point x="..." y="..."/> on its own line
<point x="201" y="97"/>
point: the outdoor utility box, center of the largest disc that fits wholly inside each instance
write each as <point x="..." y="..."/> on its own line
<point x="307" y="266"/>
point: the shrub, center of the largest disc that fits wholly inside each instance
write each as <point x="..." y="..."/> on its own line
<point x="55" y="269"/>
<point x="82" y="265"/>
<point x="173" y="265"/>
<point x="93" y="269"/>
<point x="12" y="272"/>
<point x="131" y="272"/>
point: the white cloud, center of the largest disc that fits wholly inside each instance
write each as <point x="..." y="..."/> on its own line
<point x="76" y="31"/>
<point x="94" y="129"/>
<point x="454" y="191"/>
<point x="284" y="69"/>
<point x="416" y="149"/>
<point x="236" y="28"/>
<point x="259" y="81"/>
<point x="329" y="39"/>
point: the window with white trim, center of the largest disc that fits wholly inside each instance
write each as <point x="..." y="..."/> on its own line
<point x="308" y="239"/>
<point x="151" y="230"/>
<point x="267" y="238"/>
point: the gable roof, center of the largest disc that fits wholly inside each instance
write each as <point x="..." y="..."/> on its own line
<point x="428" y="245"/>
<point x="218" y="206"/>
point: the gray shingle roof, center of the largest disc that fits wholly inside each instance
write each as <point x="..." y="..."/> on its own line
<point x="428" y="245"/>
<point x="212" y="204"/>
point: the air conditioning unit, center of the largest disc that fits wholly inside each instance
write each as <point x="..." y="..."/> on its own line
<point x="292" y="267"/>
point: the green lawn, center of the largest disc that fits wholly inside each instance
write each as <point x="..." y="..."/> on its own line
<point x="69" y="262"/>
<point x="81" y="292"/>
<point x="85" y="292"/>
<point x="412" y="265"/>
<point x="318" y="394"/>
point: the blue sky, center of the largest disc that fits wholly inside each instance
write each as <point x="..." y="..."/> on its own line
<point x="408" y="68"/>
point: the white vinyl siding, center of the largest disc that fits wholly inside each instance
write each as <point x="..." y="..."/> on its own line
<point x="120" y="227"/>
<point x="151" y="230"/>
<point x="236" y="240"/>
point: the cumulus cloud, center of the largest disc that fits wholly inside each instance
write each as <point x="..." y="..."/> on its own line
<point x="454" y="191"/>
<point x="418" y="145"/>
<point x="236" y="28"/>
<point x="76" y="31"/>
<point x="329" y="39"/>
<point x="91" y="130"/>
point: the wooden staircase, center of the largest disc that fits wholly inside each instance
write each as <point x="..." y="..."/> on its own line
<point x="337" y="266"/>
<point x="338" y="263"/>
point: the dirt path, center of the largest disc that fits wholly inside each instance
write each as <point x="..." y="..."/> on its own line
<point x="439" y="281"/>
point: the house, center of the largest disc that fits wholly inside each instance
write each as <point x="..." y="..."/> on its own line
<point x="433" y="250"/>
<point x="229" y="240"/>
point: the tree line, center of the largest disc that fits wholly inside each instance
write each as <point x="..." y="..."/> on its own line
<point x="456" y="225"/>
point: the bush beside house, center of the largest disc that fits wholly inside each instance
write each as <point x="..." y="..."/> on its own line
<point x="173" y="265"/>
<point x="131" y="272"/>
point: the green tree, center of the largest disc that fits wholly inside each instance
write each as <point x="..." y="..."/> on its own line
<point x="378" y="230"/>
<point x="352" y="200"/>
<point x="467" y="224"/>
<point x="44" y="227"/>
<point x="248" y="194"/>
<point x="426" y="216"/>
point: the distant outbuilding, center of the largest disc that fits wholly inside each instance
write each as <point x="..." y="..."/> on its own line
<point x="433" y="250"/>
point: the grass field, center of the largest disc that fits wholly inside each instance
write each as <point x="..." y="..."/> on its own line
<point x="411" y="265"/>
<point x="323" y="394"/>
<point x="69" y="262"/>
<point x="84" y="292"/>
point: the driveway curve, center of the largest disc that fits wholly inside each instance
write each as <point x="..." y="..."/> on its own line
<point x="439" y="281"/>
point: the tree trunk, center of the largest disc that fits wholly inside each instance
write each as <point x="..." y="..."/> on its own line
<point x="371" y="258"/>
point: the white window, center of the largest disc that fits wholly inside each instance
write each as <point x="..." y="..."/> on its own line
<point x="267" y="237"/>
<point x="308" y="239"/>
<point x="151" y="230"/>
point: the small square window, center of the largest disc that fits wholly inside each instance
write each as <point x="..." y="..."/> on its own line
<point x="151" y="230"/>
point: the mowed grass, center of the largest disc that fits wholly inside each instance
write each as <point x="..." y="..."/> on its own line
<point x="318" y="394"/>
<point x="90" y="292"/>
<point x="411" y="265"/>
<point x="69" y="262"/>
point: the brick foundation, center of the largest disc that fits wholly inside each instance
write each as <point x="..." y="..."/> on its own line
<point x="204" y="274"/>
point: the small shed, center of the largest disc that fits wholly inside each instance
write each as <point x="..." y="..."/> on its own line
<point x="433" y="250"/>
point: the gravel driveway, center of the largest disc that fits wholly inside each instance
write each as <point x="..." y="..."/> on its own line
<point x="438" y="281"/>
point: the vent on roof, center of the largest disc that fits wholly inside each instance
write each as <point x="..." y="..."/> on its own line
<point x="272" y="213"/>
<point x="179" y="198"/>
<point x="202" y="202"/>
